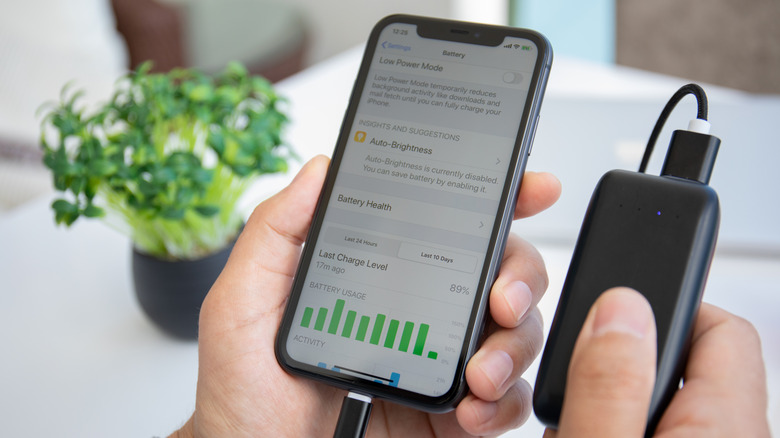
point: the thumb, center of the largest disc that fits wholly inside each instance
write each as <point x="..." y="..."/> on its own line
<point x="612" y="370"/>
<point x="259" y="272"/>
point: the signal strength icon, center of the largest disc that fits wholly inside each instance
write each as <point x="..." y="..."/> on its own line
<point x="508" y="46"/>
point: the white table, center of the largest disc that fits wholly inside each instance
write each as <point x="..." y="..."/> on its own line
<point x="80" y="359"/>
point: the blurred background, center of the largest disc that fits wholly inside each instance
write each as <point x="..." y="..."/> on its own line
<point x="45" y="44"/>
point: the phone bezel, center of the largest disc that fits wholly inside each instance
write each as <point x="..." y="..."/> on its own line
<point x="472" y="33"/>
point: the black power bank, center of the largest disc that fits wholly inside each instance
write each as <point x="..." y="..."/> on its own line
<point x="655" y="234"/>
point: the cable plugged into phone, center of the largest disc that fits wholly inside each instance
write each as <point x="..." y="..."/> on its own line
<point x="655" y="234"/>
<point x="354" y="416"/>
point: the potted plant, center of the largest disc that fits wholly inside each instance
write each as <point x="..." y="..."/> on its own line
<point x="165" y="161"/>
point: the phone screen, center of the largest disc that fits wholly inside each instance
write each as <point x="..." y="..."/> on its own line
<point x="392" y="281"/>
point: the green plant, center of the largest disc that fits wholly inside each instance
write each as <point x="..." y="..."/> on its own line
<point x="167" y="158"/>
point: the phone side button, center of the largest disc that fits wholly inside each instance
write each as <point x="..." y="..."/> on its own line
<point x="533" y="134"/>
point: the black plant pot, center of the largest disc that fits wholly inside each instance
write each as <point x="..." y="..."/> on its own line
<point x="172" y="292"/>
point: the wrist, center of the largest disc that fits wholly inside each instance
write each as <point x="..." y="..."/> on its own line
<point x="186" y="431"/>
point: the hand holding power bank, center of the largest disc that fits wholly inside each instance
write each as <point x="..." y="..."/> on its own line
<point x="655" y="234"/>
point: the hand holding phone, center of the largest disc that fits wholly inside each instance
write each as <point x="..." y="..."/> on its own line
<point x="241" y="386"/>
<point x="391" y="294"/>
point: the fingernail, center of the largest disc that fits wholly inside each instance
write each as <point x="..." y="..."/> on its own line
<point x="518" y="297"/>
<point x="497" y="366"/>
<point x="623" y="311"/>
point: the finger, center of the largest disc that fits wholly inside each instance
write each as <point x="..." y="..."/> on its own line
<point x="480" y="417"/>
<point x="612" y="370"/>
<point x="284" y="219"/>
<point x="538" y="192"/>
<point x="267" y="250"/>
<point x="520" y="285"/>
<point x="724" y="347"/>
<point x="503" y="357"/>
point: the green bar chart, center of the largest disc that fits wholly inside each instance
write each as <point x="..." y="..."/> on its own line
<point x="371" y="329"/>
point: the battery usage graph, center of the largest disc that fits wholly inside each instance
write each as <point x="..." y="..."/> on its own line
<point x="364" y="328"/>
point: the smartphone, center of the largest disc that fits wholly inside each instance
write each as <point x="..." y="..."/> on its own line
<point x="390" y="297"/>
